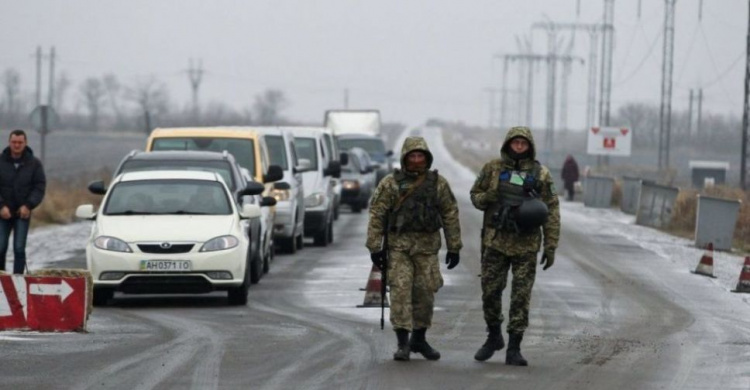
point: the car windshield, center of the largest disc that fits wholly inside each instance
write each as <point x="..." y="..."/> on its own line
<point x="306" y="149"/>
<point x="352" y="166"/>
<point x="242" y="149"/>
<point x="277" y="151"/>
<point x="221" y="167"/>
<point x="374" y="147"/>
<point x="169" y="196"/>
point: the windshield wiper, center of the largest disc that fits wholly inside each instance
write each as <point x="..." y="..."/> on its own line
<point x="185" y="212"/>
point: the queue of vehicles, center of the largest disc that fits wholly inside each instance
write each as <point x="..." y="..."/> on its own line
<point x="204" y="209"/>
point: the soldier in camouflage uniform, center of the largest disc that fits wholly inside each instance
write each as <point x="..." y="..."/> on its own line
<point x="513" y="192"/>
<point x="411" y="205"/>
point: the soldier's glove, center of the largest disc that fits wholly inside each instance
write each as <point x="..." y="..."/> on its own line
<point x="378" y="258"/>
<point x="548" y="258"/>
<point x="452" y="259"/>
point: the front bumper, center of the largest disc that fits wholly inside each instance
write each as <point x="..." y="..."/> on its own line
<point x="196" y="280"/>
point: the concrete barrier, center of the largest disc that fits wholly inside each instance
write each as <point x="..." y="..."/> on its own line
<point x="715" y="221"/>
<point x="631" y="192"/>
<point x="597" y="191"/>
<point x="655" y="204"/>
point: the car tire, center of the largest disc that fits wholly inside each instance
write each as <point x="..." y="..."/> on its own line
<point x="102" y="296"/>
<point x="330" y="232"/>
<point x="237" y="296"/>
<point x="336" y="212"/>
<point x="256" y="269"/>
<point x="300" y="241"/>
<point x="321" y="236"/>
<point x="288" y="245"/>
<point x="356" y="208"/>
<point x="267" y="261"/>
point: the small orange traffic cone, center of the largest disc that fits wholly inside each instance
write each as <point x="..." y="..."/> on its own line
<point x="706" y="265"/>
<point x="373" y="290"/>
<point x="743" y="285"/>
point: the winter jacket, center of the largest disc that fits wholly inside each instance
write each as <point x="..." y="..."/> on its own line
<point x="570" y="170"/>
<point x="24" y="185"/>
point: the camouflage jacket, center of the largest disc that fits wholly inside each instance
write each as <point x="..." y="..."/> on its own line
<point x="511" y="243"/>
<point x="385" y="198"/>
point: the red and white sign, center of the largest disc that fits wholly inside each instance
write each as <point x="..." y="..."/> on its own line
<point x="610" y="141"/>
<point x="43" y="303"/>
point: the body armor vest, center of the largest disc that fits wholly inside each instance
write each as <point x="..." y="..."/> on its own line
<point x="503" y="215"/>
<point x="418" y="211"/>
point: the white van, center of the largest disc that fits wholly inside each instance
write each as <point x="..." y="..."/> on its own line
<point x="289" y="192"/>
<point x="313" y="153"/>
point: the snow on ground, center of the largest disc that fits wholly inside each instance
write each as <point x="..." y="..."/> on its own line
<point x="680" y="251"/>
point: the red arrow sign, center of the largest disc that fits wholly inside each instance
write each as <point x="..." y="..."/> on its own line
<point x="595" y="130"/>
<point x="43" y="303"/>
<point x="624" y="131"/>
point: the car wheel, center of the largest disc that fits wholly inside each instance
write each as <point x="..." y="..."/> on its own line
<point x="330" y="232"/>
<point x="321" y="237"/>
<point x="288" y="245"/>
<point x="356" y="208"/>
<point x="300" y="241"/>
<point x="237" y="296"/>
<point x="336" y="212"/>
<point x="267" y="262"/>
<point x="256" y="269"/>
<point x="102" y="296"/>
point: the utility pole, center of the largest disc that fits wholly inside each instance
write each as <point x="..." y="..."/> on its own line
<point x="690" y="116"/>
<point x="38" y="76"/>
<point x="607" y="51"/>
<point x="745" y="113"/>
<point x="665" y="113"/>
<point x="699" y="120"/>
<point x="51" y="93"/>
<point x="195" y="75"/>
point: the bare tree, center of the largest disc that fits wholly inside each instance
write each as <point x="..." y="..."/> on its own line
<point x="152" y="98"/>
<point x="11" y="80"/>
<point x="268" y="107"/>
<point x="62" y="85"/>
<point x="114" y="91"/>
<point x="93" y="94"/>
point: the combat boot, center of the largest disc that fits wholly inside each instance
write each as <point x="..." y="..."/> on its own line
<point x="402" y="354"/>
<point x="494" y="343"/>
<point x="418" y="344"/>
<point x="513" y="355"/>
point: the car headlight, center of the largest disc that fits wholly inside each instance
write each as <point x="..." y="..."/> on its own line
<point x="112" y="244"/>
<point x="280" y="194"/>
<point x="314" y="200"/>
<point x="220" y="243"/>
<point x="350" y="184"/>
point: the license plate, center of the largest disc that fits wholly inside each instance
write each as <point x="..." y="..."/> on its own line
<point x="166" y="265"/>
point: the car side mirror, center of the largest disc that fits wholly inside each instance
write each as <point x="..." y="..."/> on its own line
<point x="389" y="153"/>
<point x="253" y="188"/>
<point x="303" y="165"/>
<point x="97" y="187"/>
<point x="344" y="158"/>
<point x="250" y="210"/>
<point x="334" y="169"/>
<point x="85" y="211"/>
<point x="275" y="173"/>
<point x="282" y="185"/>
<point x="268" y="201"/>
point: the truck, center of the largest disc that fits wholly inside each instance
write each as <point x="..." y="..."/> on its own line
<point x="353" y="122"/>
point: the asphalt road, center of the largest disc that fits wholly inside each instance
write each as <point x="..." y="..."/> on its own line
<point x="609" y="314"/>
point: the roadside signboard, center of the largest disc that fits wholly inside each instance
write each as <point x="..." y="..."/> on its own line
<point x="43" y="303"/>
<point x="609" y="141"/>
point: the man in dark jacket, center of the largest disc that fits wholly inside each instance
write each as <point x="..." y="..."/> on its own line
<point x="570" y="175"/>
<point x="22" y="186"/>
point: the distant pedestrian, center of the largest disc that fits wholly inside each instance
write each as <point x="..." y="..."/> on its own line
<point x="570" y="176"/>
<point x="520" y="204"/>
<point x="22" y="186"/>
<point x="411" y="206"/>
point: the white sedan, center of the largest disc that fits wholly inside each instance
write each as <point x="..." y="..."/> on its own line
<point x="169" y="232"/>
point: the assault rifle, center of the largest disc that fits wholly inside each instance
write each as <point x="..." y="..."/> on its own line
<point x="384" y="276"/>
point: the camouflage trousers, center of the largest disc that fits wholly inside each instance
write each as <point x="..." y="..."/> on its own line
<point x="495" y="266"/>
<point x="414" y="279"/>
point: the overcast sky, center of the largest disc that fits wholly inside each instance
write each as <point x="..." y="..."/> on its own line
<point x="412" y="59"/>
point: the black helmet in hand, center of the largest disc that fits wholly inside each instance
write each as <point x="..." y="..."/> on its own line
<point x="532" y="214"/>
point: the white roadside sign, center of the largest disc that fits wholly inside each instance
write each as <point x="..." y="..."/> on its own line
<point x="609" y="141"/>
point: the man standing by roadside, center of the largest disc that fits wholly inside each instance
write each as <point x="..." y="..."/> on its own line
<point x="570" y="176"/>
<point x="518" y="198"/>
<point x="22" y="186"/>
<point x="411" y="205"/>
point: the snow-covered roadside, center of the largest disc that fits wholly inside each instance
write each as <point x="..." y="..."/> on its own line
<point x="50" y="244"/>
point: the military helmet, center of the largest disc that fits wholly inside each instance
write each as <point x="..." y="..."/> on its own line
<point x="532" y="214"/>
